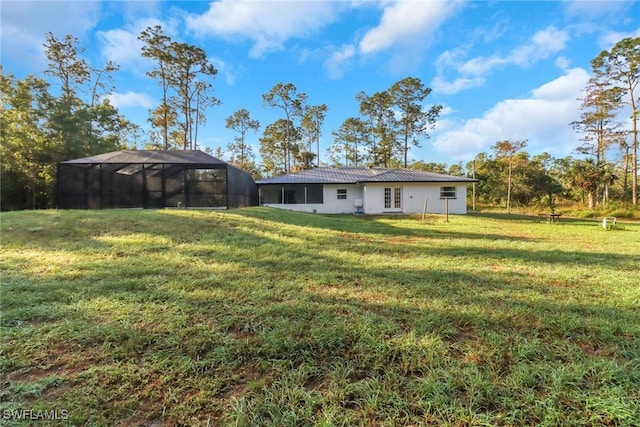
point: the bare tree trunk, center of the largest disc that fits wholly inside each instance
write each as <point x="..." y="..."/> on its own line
<point x="634" y="178"/>
<point x="625" y="181"/>
<point x="634" y="131"/>
<point x="406" y="149"/>
<point x="318" y="148"/>
<point x="509" y="189"/>
<point x="33" y="189"/>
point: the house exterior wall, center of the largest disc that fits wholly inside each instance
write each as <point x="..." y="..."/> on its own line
<point x="331" y="204"/>
<point x="373" y="197"/>
<point x="334" y="205"/>
<point x="413" y="197"/>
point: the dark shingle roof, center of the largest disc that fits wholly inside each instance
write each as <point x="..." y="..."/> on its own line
<point x="151" y="156"/>
<point x="352" y="175"/>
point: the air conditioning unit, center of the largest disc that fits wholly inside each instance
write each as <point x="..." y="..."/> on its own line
<point x="358" y="205"/>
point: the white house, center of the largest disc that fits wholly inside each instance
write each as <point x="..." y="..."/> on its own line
<point x="365" y="190"/>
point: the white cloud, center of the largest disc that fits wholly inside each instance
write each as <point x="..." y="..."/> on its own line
<point x="133" y="11"/>
<point x="120" y="46"/>
<point x="444" y="123"/>
<point x="227" y="71"/>
<point x="472" y="72"/>
<point x="123" y="47"/>
<point x="267" y="24"/>
<point x="446" y="110"/>
<point x="23" y="26"/>
<point x="451" y="58"/>
<point x="479" y="66"/>
<point x="595" y="9"/>
<point x="440" y="85"/>
<point x="563" y="63"/>
<point x="335" y="60"/>
<point x="405" y="20"/>
<point x="544" y="43"/>
<point x="338" y="60"/>
<point x="564" y="87"/>
<point x="543" y="119"/>
<point x="609" y="39"/>
<point x="130" y="99"/>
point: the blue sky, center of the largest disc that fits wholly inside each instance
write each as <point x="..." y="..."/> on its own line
<point x="501" y="69"/>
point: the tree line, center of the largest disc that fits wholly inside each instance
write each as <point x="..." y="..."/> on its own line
<point x="69" y="116"/>
<point x="509" y="176"/>
<point x="46" y="122"/>
<point x="614" y="85"/>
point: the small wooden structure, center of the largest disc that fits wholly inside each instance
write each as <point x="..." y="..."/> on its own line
<point x="608" y="220"/>
<point x="549" y="217"/>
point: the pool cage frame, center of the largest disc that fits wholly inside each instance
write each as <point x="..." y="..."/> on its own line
<point x="153" y="179"/>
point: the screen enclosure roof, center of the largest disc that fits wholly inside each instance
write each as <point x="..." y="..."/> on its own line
<point x="183" y="157"/>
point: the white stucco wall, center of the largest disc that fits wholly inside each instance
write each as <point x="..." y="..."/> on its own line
<point x="372" y="194"/>
<point x="331" y="205"/>
<point x="413" y="197"/>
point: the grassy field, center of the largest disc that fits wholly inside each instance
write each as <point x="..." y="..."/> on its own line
<point x="258" y="317"/>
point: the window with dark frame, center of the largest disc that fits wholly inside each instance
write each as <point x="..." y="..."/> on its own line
<point x="342" y="194"/>
<point x="290" y="194"/>
<point x="447" y="192"/>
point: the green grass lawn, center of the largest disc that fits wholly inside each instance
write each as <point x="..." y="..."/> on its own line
<point x="265" y="317"/>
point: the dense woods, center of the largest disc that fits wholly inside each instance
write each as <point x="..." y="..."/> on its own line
<point x="48" y="121"/>
<point x="66" y="114"/>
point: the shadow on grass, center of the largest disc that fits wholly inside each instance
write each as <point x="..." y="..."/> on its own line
<point x="564" y="219"/>
<point x="210" y="303"/>
<point x="367" y="224"/>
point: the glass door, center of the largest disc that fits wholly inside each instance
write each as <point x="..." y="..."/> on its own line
<point x="393" y="199"/>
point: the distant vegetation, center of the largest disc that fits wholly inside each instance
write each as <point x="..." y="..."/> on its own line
<point x="67" y="115"/>
<point x="515" y="180"/>
<point x="276" y="318"/>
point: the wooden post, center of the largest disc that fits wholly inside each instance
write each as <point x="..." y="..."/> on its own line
<point x="473" y="196"/>
<point x="446" y="208"/>
<point x="424" y="210"/>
